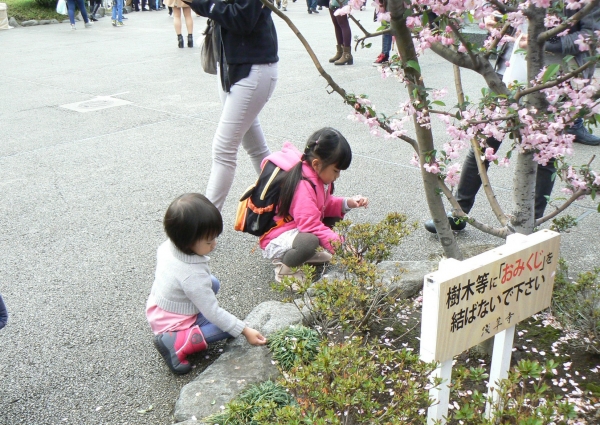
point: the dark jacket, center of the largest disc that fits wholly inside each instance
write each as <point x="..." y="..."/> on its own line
<point x="247" y="30"/>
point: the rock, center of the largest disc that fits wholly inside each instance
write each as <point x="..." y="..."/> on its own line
<point x="239" y="366"/>
<point x="127" y="9"/>
<point x="65" y="21"/>
<point x="100" y="12"/>
<point x="407" y="283"/>
<point x="29" y="23"/>
<point x="54" y="21"/>
<point x="229" y="375"/>
<point x="13" y="22"/>
<point x="474" y="34"/>
<point x="44" y="22"/>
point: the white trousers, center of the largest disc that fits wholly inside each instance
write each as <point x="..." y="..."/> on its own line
<point x="239" y="124"/>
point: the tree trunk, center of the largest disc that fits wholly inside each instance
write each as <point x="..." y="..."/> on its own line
<point x="424" y="136"/>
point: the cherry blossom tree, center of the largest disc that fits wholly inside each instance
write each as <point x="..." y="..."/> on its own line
<point x="531" y="116"/>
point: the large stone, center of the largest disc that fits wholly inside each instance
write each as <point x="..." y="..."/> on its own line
<point x="30" y="23"/>
<point x="474" y="34"/>
<point x="239" y="366"/>
<point x="54" y="21"/>
<point x="405" y="278"/>
<point x="44" y="22"/>
<point x="13" y="22"/>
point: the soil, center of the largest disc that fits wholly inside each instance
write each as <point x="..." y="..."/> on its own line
<point x="578" y="373"/>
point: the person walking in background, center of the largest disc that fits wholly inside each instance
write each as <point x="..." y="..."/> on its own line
<point x="180" y="7"/>
<point x="3" y="313"/>
<point x="247" y="70"/>
<point x="117" y="13"/>
<point x="94" y="6"/>
<point x="71" y="4"/>
<point x="312" y="6"/>
<point x="386" y="39"/>
<point x="343" y="34"/>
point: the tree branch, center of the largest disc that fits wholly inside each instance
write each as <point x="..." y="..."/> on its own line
<point x="503" y="7"/>
<point x="494" y="44"/>
<point x="547" y="35"/>
<point x="573" y="198"/>
<point x="556" y="82"/>
<point x="463" y="42"/>
<point x="368" y="34"/>
<point x="458" y="212"/>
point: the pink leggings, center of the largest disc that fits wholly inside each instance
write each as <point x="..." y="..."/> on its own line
<point x="343" y="34"/>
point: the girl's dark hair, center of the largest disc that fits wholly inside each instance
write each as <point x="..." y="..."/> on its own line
<point x="330" y="147"/>
<point x="189" y="218"/>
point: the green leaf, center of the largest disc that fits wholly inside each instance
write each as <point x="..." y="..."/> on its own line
<point x="438" y="102"/>
<point x="414" y="65"/>
<point x="368" y="45"/>
<point x="568" y="58"/>
<point x="550" y="72"/>
<point x="599" y="208"/>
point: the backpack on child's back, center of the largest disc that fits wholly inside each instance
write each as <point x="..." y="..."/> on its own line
<point x="257" y="208"/>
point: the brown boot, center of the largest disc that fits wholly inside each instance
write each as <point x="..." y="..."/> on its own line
<point x="338" y="54"/>
<point x="346" y="58"/>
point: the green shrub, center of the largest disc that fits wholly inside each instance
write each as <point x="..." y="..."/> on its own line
<point x="524" y="398"/>
<point x="352" y="383"/>
<point x="254" y="406"/>
<point x="47" y="3"/>
<point x="294" y="345"/>
<point x="358" y="300"/>
<point x="576" y="304"/>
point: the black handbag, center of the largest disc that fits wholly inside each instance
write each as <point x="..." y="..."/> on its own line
<point x="209" y="52"/>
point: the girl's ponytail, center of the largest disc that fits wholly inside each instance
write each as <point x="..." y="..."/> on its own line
<point x="326" y="144"/>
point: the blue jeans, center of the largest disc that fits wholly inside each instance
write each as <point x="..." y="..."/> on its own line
<point x="117" y="8"/>
<point x="386" y="44"/>
<point x="311" y="4"/>
<point x="71" y="8"/>
<point x="211" y="332"/>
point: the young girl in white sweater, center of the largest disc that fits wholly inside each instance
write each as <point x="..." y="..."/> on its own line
<point x="182" y="309"/>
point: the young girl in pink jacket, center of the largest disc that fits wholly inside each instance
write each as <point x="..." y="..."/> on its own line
<point x="307" y="198"/>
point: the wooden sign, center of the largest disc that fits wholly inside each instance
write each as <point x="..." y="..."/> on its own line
<point x="467" y="302"/>
<point x="484" y="295"/>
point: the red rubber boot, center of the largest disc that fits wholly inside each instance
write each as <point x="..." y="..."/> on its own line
<point x="176" y="346"/>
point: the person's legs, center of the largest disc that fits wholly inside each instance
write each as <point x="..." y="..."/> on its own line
<point x="238" y="121"/>
<point x="114" y="13"/>
<point x="344" y="26"/>
<point x="339" y="37"/>
<point x="71" y="10"/>
<point x="82" y="9"/>
<point x="543" y="187"/>
<point x="177" y="20"/>
<point x="303" y="248"/>
<point x="386" y="44"/>
<point x="189" y="25"/>
<point x="120" y="11"/>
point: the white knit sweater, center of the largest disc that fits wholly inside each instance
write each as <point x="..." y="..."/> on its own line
<point x="182" y="285"/>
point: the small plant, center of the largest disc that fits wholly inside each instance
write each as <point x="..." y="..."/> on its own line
<point x="294" y="345"/>
<point x="523" y="398"/>
<point x="576" y="304"/>
<point x="562" y="224"/>
<point x="254" y="406"/>
<point x="352" y="383"/>
<point x="360" y="297"/>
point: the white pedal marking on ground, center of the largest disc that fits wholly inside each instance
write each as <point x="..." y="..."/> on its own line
<point x="96" y="104"/>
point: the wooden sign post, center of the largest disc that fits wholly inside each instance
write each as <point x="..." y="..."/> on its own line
<point x="467" y="302"/>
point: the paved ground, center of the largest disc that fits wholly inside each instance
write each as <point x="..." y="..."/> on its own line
<point x="82" y="197"/>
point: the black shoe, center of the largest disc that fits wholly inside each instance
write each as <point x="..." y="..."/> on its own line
<point x="309" y="11"/>
<point x="455" y="224"/>
<point x="583" y="136"/>
<point x="190" y="40"/>
<point x="93" y="19"/>
<point x="180" y="41"/>
<point x="278" y="5"/>
<point x="314" y="10"/>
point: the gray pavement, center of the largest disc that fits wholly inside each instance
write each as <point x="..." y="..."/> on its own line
<point x="82" y="197"/>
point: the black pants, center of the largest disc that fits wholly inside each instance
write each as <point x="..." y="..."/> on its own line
<point x="470" y="181"/>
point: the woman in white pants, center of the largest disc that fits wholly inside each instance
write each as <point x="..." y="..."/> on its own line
<point x="247" y="68"/>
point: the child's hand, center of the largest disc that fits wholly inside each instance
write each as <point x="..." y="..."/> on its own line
<point x="253" y="336"/>
<point x="358" y="201"/>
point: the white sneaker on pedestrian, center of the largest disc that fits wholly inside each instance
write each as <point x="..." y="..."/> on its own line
<point x="88" y="24"/>
<point x="73" y="27"/>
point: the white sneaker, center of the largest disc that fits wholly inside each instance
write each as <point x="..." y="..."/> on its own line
<point x="320" y="257"/>
<point x="88" y="24"/>
<point x="73" y="27"/>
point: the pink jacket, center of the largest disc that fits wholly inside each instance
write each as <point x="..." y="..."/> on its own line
<point x="309" y="205"/>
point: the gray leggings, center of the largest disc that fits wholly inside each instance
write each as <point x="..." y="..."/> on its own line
<point x="239" y="125"/>
<point x="305" y="245"/>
